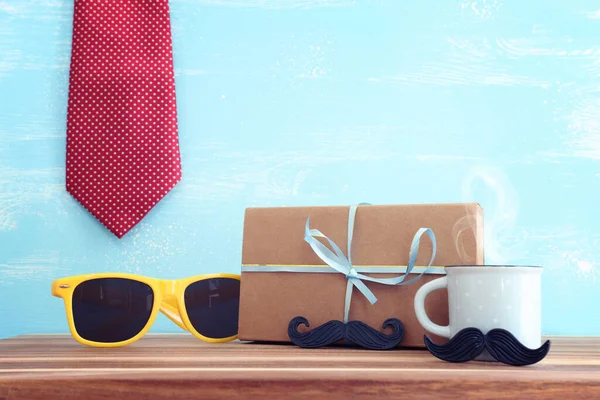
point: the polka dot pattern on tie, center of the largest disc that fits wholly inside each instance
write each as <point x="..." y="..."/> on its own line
<point x="122" y="142"/>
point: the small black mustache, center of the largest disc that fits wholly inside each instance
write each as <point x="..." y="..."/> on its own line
<point x="501" y="344"/>
<point x="356" y="332"/>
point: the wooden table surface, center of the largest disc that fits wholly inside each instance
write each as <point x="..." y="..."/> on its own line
<point x="180" y="366"/>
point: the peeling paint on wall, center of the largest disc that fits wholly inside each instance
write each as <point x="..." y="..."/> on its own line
<point x="316" y="102"/>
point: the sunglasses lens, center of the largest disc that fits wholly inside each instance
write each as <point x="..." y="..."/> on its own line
<point x="110" y="310"/>
<point x="213" y="307"/>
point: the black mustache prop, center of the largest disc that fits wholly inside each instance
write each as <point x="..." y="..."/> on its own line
<point x="356" y="332"/>
<point x="501" y="344"/>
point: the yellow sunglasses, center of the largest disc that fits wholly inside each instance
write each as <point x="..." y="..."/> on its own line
<point x="116" y="309"/>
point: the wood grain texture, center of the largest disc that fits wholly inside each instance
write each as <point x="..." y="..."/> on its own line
<point x="179" y="366"/>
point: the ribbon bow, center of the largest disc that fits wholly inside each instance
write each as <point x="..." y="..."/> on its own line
<point x="339" y="262"/>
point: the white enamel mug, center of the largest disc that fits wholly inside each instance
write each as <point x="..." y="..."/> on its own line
<point x="488" y="297"/>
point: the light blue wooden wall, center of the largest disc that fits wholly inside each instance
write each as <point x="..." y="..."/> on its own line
<point x="298" y="102"/>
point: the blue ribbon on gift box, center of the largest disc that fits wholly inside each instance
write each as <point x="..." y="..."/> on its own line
<point x="338" y="262"/>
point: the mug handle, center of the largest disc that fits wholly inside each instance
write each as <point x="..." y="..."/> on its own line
<point x="422" y="293"/>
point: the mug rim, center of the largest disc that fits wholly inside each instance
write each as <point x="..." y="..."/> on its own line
<point x="492" y="266"/>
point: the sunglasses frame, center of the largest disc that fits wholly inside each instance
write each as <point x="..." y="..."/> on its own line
<point x="168" y="299"/>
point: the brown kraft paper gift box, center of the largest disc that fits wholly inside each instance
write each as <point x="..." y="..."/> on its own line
<point x="382" y="236"/>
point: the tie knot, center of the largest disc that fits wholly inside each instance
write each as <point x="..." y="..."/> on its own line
<point x="352" y="273"/>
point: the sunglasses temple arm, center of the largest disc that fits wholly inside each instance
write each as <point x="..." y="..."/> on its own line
<point x="57" y="288"/>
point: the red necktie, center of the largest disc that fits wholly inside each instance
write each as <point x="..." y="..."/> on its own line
<point x="122" y="143"/>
